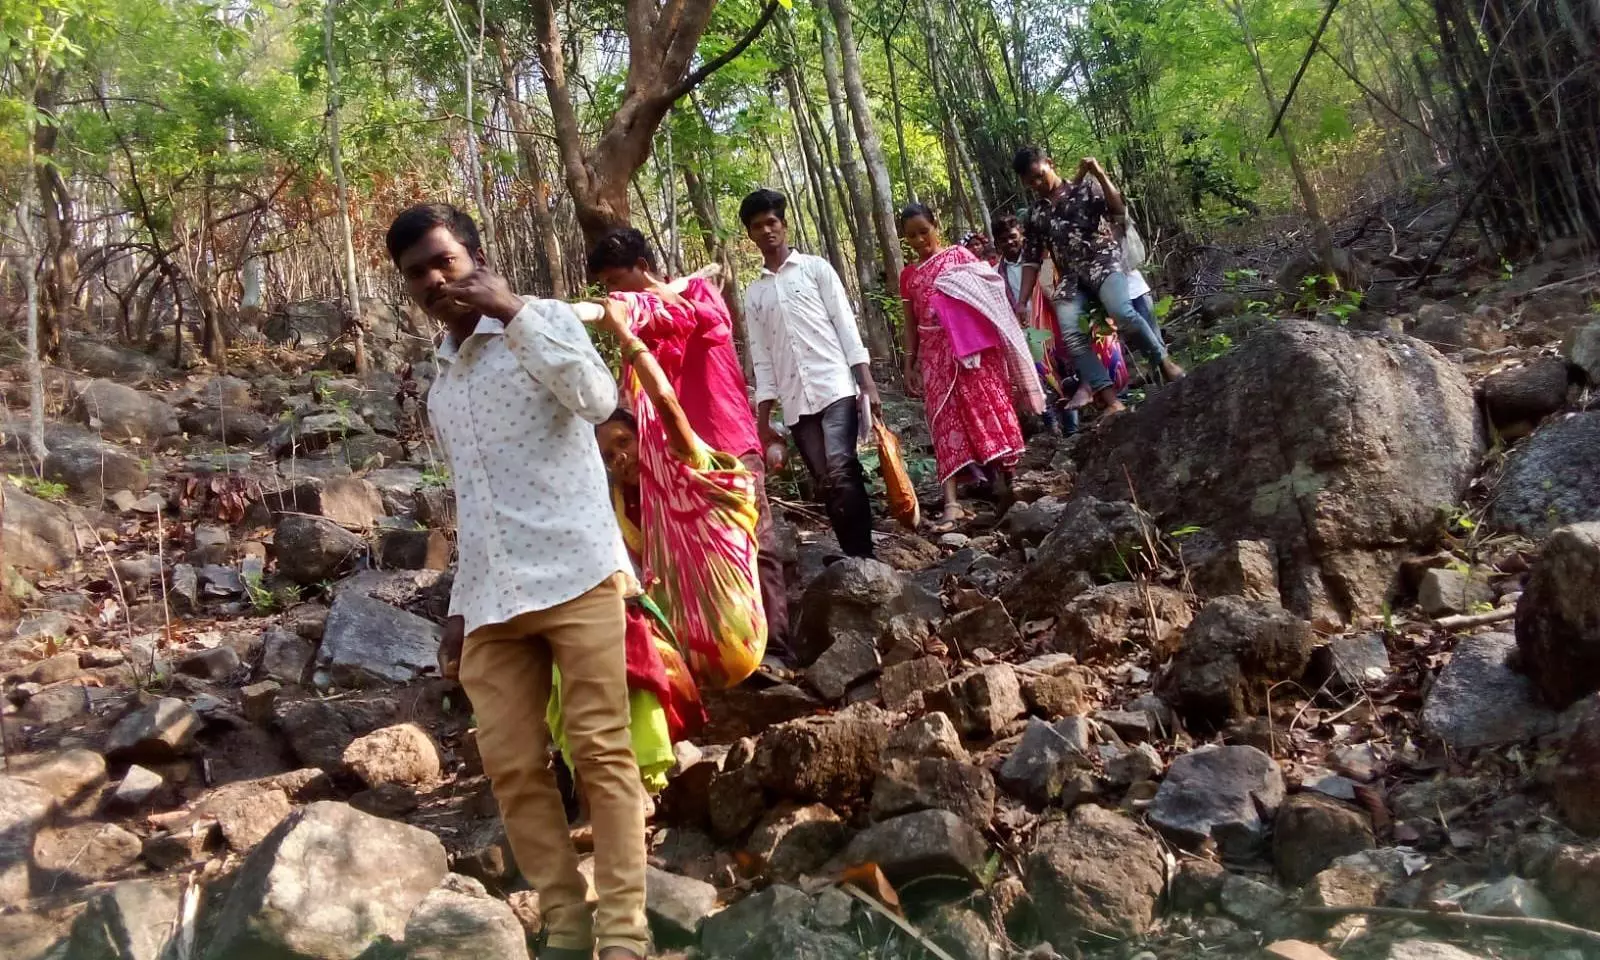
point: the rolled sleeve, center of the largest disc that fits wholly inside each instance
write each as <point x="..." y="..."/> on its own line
<point x="843" y="315"/>
<point x="549" y="342"/>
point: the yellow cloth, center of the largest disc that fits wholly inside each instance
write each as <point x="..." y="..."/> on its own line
<point x="647" y="728"/>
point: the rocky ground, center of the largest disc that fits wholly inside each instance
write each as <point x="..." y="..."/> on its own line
<point x="1298" y="659"/>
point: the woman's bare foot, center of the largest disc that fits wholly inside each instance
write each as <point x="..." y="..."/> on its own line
<point x="1109" y="403"/>
<point x="1171" y="370"/>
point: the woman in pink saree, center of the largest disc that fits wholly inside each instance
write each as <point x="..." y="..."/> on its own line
<point x="964" y="348"/>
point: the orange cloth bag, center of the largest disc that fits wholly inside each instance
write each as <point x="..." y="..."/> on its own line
<point x="902" y="495"/>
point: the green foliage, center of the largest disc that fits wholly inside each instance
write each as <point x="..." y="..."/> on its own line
<point x="40" y="487"/>
<point x="436" y="477"/>
<point x="264" y="600"/>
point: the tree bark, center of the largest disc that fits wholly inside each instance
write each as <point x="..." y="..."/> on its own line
<point x="470" y="54"/>
<point x="352" y="289"/>
<point x="544" y="223"/>
<point x="30" y="283"/>
<point x="813" y="164"/>
<point x="879" y="338"/>
<point x="59" y="252"/>
<point x="661" y="45"/>
<point x="861" y="235"/>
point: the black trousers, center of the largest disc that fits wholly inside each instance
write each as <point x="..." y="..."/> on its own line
<point x="827" y="442"/>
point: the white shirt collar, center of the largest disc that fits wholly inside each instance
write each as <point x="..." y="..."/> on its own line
<point x="449" y="350"/>
<point x="794" y="255"/>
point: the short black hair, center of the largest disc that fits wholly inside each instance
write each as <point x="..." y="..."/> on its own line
<point x="413" y="222"/>
<point x="763" y="201"/>
<point x="621" y="247"/>
<point x="623" y="416"/>
<point x="1025" y="158"/>
<point x="916" y="210"/>
<point x="1003" y="223"/>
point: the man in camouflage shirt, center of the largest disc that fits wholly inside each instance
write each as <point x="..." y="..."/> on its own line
<point x="1075" y="223"/>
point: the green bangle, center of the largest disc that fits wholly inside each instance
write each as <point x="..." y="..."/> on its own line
<point x="631" y="350"/>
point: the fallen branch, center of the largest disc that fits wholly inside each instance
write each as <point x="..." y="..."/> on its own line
<point x="1462" y="919"/>
<point x="897" y="920"/>
<point x="1464" y="620"/>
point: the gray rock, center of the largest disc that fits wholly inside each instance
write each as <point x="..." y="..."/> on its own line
<point x="55" y="704"/>
<point x="246" y="812"/>
<point x="1350" y="662"/>
<point x="285" y="656"/>
<point x="366" y="641"/>
<point x="853" y="601"/>
<point x="329" y="882"/>
<point x="1029" y="523"/>
<point x="459" y="919"/>
<point x="1311" y="831"/>
<point x="987" y="626"/>
<point x="843" y="665"/>
<point x="1445" y="591"/>
<point x="1134" y="726"/>
<point x="408" y="549"/>
<point x="67" y="775"/>
<point x="934" y="783"/>
<point x="1093" y="541"/>
<point x="218" y="663"/>
<point x="901" y="683"/>
<point x="1558" y="617"/>
<point x="44" y="626"/>
<point x="38" y="536"/>
<point x="352" y="503"/>
<point x="675" y="906"/>
<point x="62" y="666"/>
<point x="1251" y="902"/>
<point x="980" y="702"/>
<point x="1510" y="897"/>
<point x="318" y="731"/>
<point x="211" y="544"/>
<point x="1477" y="700"/>
<point x="159" y="732"/>
<point x="1100" y="622"/>
<point x="311" y="432"/>
<point x="1095" y="874"/>
<point x="123" y="413"/>
<point x="1125" y="766"/>
<point x="226" y="426"/>
<point x="829" y="759"/>
<point x="928" y="842"/>
<point x="930" y="735"/>
<point x="1552" y="479"/>
<point x="1583" y="349"/>
<point x="1231" y="656"/>
<point x="94" y="468"/>
<point x="184" y="590"/>
<point x="23" y="809"/>
<point x="1225" y="794"/>
<point x="793" y="841"/>
<point x="747" y="929"/>
<point x="1288" y="439"/>
<point x="1428" y="950"/>
<point x="313" y="549"/>
<point x="133" y="920"/>
<point x="1527" y="393"/>
<point x="220" y="581"/>
<point x="1045" y="762"/>
<point x="1225" y="568"/>
<point x="100" y="359"/>
<point x="1576" y="780"/>
<point x="136" y="786"/>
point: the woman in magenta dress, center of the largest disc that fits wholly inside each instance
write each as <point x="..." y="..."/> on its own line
<point x="967" y="392"/>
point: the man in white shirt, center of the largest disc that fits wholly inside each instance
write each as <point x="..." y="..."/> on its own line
<point x="808" y="356"/>
<point x="541" y="577"/>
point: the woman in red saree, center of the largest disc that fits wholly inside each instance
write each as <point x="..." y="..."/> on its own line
<point x="967" y="392"/>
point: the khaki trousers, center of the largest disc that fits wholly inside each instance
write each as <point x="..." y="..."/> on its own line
<point x="505" y="669"/>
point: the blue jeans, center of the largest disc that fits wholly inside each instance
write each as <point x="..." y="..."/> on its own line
<point x="1137" y="332"/>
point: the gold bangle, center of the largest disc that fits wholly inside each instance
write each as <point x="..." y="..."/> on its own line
<point x="633" y="349"/>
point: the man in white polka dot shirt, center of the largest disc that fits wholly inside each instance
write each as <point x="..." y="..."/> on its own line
<point x="541" y="577"/>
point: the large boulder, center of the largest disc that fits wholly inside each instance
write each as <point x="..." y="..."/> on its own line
<point x="327" y="884"/>
<point x="460" y="919"/>
<point x="23" y="809"/>
<point x="1099" y="622"/>
<point x="133" y="920"/>
<point x="1576" y="781"/>
<point x="99" y="359"/>
<point x="1096" y="875"/>
<point x="852" y="602"/>
<point x="1552" y="479"/>
<point x="36" y="535"/>
<point x="1338" y="447"/>
<point x="1231" y="656"/>
<point x="366" y="642"/>
<point x="915" y="845"/>
<point x="1526" y="394"/>
<point x="1093" y="542"/>
<point x="94" y="468"/>
<point x="1227" y="795"/>
<point x="1479" y="701"/>
<point x="123" y="413"/>
<point x="1583" y="349"/>
<point x="1558" y="617"/>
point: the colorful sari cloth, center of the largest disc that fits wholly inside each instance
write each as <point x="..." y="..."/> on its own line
<point x="698" y="533"/>
<point x="978" y="293"/>
<point x="969" y="408"/>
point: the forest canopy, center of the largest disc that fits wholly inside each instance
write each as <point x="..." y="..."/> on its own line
<point x="171" y="163"/>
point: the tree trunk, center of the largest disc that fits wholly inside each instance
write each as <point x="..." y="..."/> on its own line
<point x="213" y="343"/>
<point x="470" y="53"/>
<point x="1308" y="193"/>
<point x="60" y="256"/>
<point x="899" y="119"/>
<point x="30" y="283"/>
<point x="544" y="223"/>
<point x="352" y="290"/>
<point x="858" y="192"/>
<point x="879" y="338"/>
<point x="813" y="163"/>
